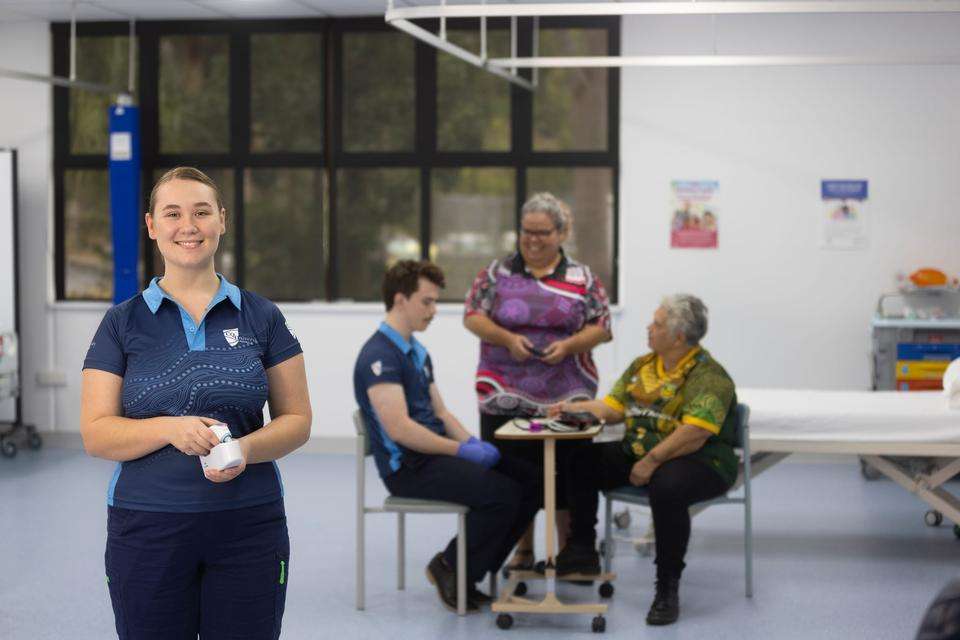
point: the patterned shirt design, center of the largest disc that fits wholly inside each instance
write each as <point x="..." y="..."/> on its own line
<point x="655" y="402"/>
<point x="544" y="310"/>
<point x="172" y="366"/>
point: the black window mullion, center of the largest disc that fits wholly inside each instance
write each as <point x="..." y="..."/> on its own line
<point x="239" y="176"/>
<point x="146" y="255"/>
<point x="425" y="81"/>
<point x="240" y="86"/>
<point x="613" y="148"/>
<point x="61" y="149"/>
<point x="239" y="109"/>
<point x="148" y="79"/>
<point x="426" y="200"/>
<point x="523" y="117"/>
<point x="149" y="98"/>
<point x="329" y="164"/>
<point x="333" y="147"/>
<point x="613" y="96"/>
<point x="521" y="195"/>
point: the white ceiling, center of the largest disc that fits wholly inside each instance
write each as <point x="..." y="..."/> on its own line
<point x="92" y="10"/>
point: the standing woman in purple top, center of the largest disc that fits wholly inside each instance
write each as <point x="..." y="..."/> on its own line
<point x="193" y="550"/>
<point x="538" y="314"/>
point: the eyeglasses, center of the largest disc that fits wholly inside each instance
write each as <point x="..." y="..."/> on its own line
<point x="537" y="233"/>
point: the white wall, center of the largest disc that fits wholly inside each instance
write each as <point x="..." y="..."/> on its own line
<point x="784" y="312"/>
<point x="26" y="117"/>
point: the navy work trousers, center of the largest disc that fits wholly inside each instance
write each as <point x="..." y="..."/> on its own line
<point x="217" y="574"/>
<point x="675" y="486"/>
<point x="502" y="501"/>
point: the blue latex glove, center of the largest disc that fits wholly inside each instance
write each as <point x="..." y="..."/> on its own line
<point x="492" y="455"/>
<point x="473" y="451"/>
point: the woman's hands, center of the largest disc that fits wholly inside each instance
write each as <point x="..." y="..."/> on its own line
<point x="555" y="352"/>
<point x="192" y="435"/>
<point x="642" y="470"/>
<point x="215" y="475"/>
<point x="520" y="347"/>
<point x="554" y="409"/>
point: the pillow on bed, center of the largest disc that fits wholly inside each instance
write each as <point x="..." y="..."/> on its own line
<point x="951" y="384"/>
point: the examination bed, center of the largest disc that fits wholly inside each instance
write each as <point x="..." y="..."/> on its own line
<point x="889" y="430"/>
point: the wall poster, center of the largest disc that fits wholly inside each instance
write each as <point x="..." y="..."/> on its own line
<point x="695" y="214"/>
<point x="844" y="214"/>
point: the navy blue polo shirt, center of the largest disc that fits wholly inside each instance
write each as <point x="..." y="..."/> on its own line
<point x="387" y="358"/>
<point x="172" y="367"/>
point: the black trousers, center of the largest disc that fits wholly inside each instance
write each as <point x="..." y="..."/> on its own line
<point x="531" y="452"/>
<point x="674" y="486"/>
<point x="502" y="500"/>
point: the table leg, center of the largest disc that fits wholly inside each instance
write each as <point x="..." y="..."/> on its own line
<point x="550" y="510"/>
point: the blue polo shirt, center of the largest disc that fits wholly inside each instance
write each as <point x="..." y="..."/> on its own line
<point x="387" y="358"/>
<point x="173" y="367"/>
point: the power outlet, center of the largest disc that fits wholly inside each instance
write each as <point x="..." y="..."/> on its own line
<point x="52" y="378"/>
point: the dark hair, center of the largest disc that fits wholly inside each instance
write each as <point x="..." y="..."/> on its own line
<point x="404" y="277"/>
<point x="942" y="620"/>
<point x="185" y="173"/>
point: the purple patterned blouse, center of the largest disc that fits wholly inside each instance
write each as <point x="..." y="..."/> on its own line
<point x="544" y="310"/>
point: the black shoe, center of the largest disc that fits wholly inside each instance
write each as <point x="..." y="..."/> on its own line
<point x="666" y="604"/>
<point x="578" y="559"/>
<point x="522" y="561"/>
<point x="444" y="578"/>
<point x="477" y="597"/>
<point x="541" y="568"/>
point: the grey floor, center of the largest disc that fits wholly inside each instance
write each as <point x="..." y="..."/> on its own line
<point x="836" y="557"/>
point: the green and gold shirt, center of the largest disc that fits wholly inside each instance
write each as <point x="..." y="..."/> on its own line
<point x="697" y="391"/>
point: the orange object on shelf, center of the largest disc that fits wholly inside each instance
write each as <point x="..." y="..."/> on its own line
<point x="919" y="385"/>
<point x="928" y="278"/>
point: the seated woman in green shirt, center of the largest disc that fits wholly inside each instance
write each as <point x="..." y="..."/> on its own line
<point x="678" y="405"/>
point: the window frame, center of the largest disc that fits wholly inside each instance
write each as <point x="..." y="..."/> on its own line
<point x="425" y="156"/>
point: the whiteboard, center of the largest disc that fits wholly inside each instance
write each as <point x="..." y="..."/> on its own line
<point x="8" y="271"/>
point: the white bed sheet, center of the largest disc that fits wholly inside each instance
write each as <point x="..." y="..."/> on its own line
<point x="851" y="416"/>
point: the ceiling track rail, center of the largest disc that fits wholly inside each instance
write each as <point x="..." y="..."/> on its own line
<point x="509" y="68"/>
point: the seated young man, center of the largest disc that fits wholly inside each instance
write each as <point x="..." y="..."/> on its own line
<point x="422" y="450"/>
<point x="679" y="407"/>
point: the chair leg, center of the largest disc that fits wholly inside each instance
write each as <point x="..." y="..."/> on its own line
<point x="361" y="540"/>
<point x="748" y="546"/>
<point x="401" y="550"/>
<point x="493" y="585"/>
<point x="461" y="564"/>
<point x="608" y="536"/>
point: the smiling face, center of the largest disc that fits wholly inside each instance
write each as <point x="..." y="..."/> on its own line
<point x="539" y="239"/>
<point x="186" y="222"/>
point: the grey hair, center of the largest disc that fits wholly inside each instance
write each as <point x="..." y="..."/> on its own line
<point x="554" y="207"/>
<point x="686" y="315"/>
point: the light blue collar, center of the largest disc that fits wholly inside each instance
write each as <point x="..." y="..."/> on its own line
<point x="153" y="295"/>
<point x="419" y="351"/>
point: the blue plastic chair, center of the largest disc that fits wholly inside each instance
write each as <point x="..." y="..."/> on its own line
<point x="640" y="496"/>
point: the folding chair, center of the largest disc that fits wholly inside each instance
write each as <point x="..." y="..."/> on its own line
<point x="403" y="506"/>
<point x="640" y="496"/>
